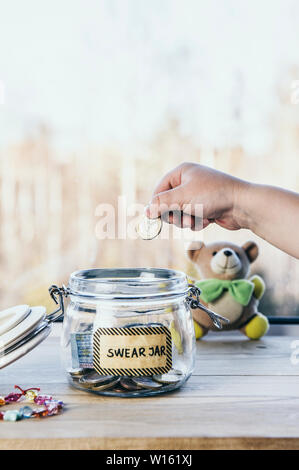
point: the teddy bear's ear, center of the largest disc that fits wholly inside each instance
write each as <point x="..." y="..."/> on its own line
<point x="193" y="248"/>
<point x="252" y="250"/>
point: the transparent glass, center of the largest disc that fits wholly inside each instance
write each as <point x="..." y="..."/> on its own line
<point x="139" y="299"/>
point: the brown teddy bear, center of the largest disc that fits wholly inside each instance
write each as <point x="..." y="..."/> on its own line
<point x="225" y="288"/>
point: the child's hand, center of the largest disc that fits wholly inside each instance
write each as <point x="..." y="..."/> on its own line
<point x="193" y="196"/>
<point x="191" y="188"/>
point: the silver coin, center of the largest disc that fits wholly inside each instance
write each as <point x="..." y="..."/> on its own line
<point x="173" y="376"/>
<point x="76" y="372"/>
<point x="106" y="386"/>
<point x="95" y="379"/>
<point x="146" y="382"/>
<point x="148" y="229"/>
<point x="128" y="384"/>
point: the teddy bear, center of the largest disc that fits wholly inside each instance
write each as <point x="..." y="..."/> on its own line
<point x="224" y="268"/>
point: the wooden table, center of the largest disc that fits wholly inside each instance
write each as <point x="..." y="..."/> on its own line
<point x="243" y="394"/>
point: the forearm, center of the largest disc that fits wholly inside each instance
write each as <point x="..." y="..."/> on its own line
<point x="271" y="213"/>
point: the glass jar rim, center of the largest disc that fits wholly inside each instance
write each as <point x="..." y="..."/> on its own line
<point x="128" y="284"/>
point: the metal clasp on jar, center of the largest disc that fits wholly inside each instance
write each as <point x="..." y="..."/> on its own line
<point x="193" y="300"/>
<point x="57" y="294"/>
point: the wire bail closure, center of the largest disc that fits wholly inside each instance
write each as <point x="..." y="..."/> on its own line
<point x="193" y="300"/>
<point x="57" y="293"/>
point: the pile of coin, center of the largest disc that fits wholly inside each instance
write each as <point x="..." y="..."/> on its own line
<point x="90" y="380"/>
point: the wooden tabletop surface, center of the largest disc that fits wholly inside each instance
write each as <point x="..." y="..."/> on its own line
<point x="243" y="394"/>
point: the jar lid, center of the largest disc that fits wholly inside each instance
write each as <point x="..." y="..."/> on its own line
<point x="131" y="284"/>
<point x="22" y="329"/>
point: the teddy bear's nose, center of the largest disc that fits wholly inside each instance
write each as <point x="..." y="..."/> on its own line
<point x="228" y="252"/>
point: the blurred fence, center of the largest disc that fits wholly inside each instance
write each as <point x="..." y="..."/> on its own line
<point x="48" y="209"/>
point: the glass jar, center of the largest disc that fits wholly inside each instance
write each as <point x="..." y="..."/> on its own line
<point x="128" y="332"/>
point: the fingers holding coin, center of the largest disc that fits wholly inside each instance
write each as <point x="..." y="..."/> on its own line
<point x="179" y="219"/>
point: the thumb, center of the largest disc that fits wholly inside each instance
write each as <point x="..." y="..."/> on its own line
<point x="166" y="201"/>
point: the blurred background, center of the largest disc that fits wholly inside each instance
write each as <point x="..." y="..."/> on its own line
<point x="99" y="98"/>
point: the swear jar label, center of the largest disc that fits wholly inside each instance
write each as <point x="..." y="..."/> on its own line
<point x="132" y="351"/>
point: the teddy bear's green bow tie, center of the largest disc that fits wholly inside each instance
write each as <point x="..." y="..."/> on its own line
<point x="240" y="289"/>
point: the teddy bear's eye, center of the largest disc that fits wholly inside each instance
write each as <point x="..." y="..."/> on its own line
<point x="214" y="253"/>
<point x="238" y="255"/>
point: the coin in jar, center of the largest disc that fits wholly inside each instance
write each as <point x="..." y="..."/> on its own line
<point x="76" y="373"/>
<point x="106" y="386"/>
<point x="95" y="379"/>
<point x="173" y="376"/>
<point x="146" y="382"/>
<point x="148" y="228"/>
<point x="128" y="384"/>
